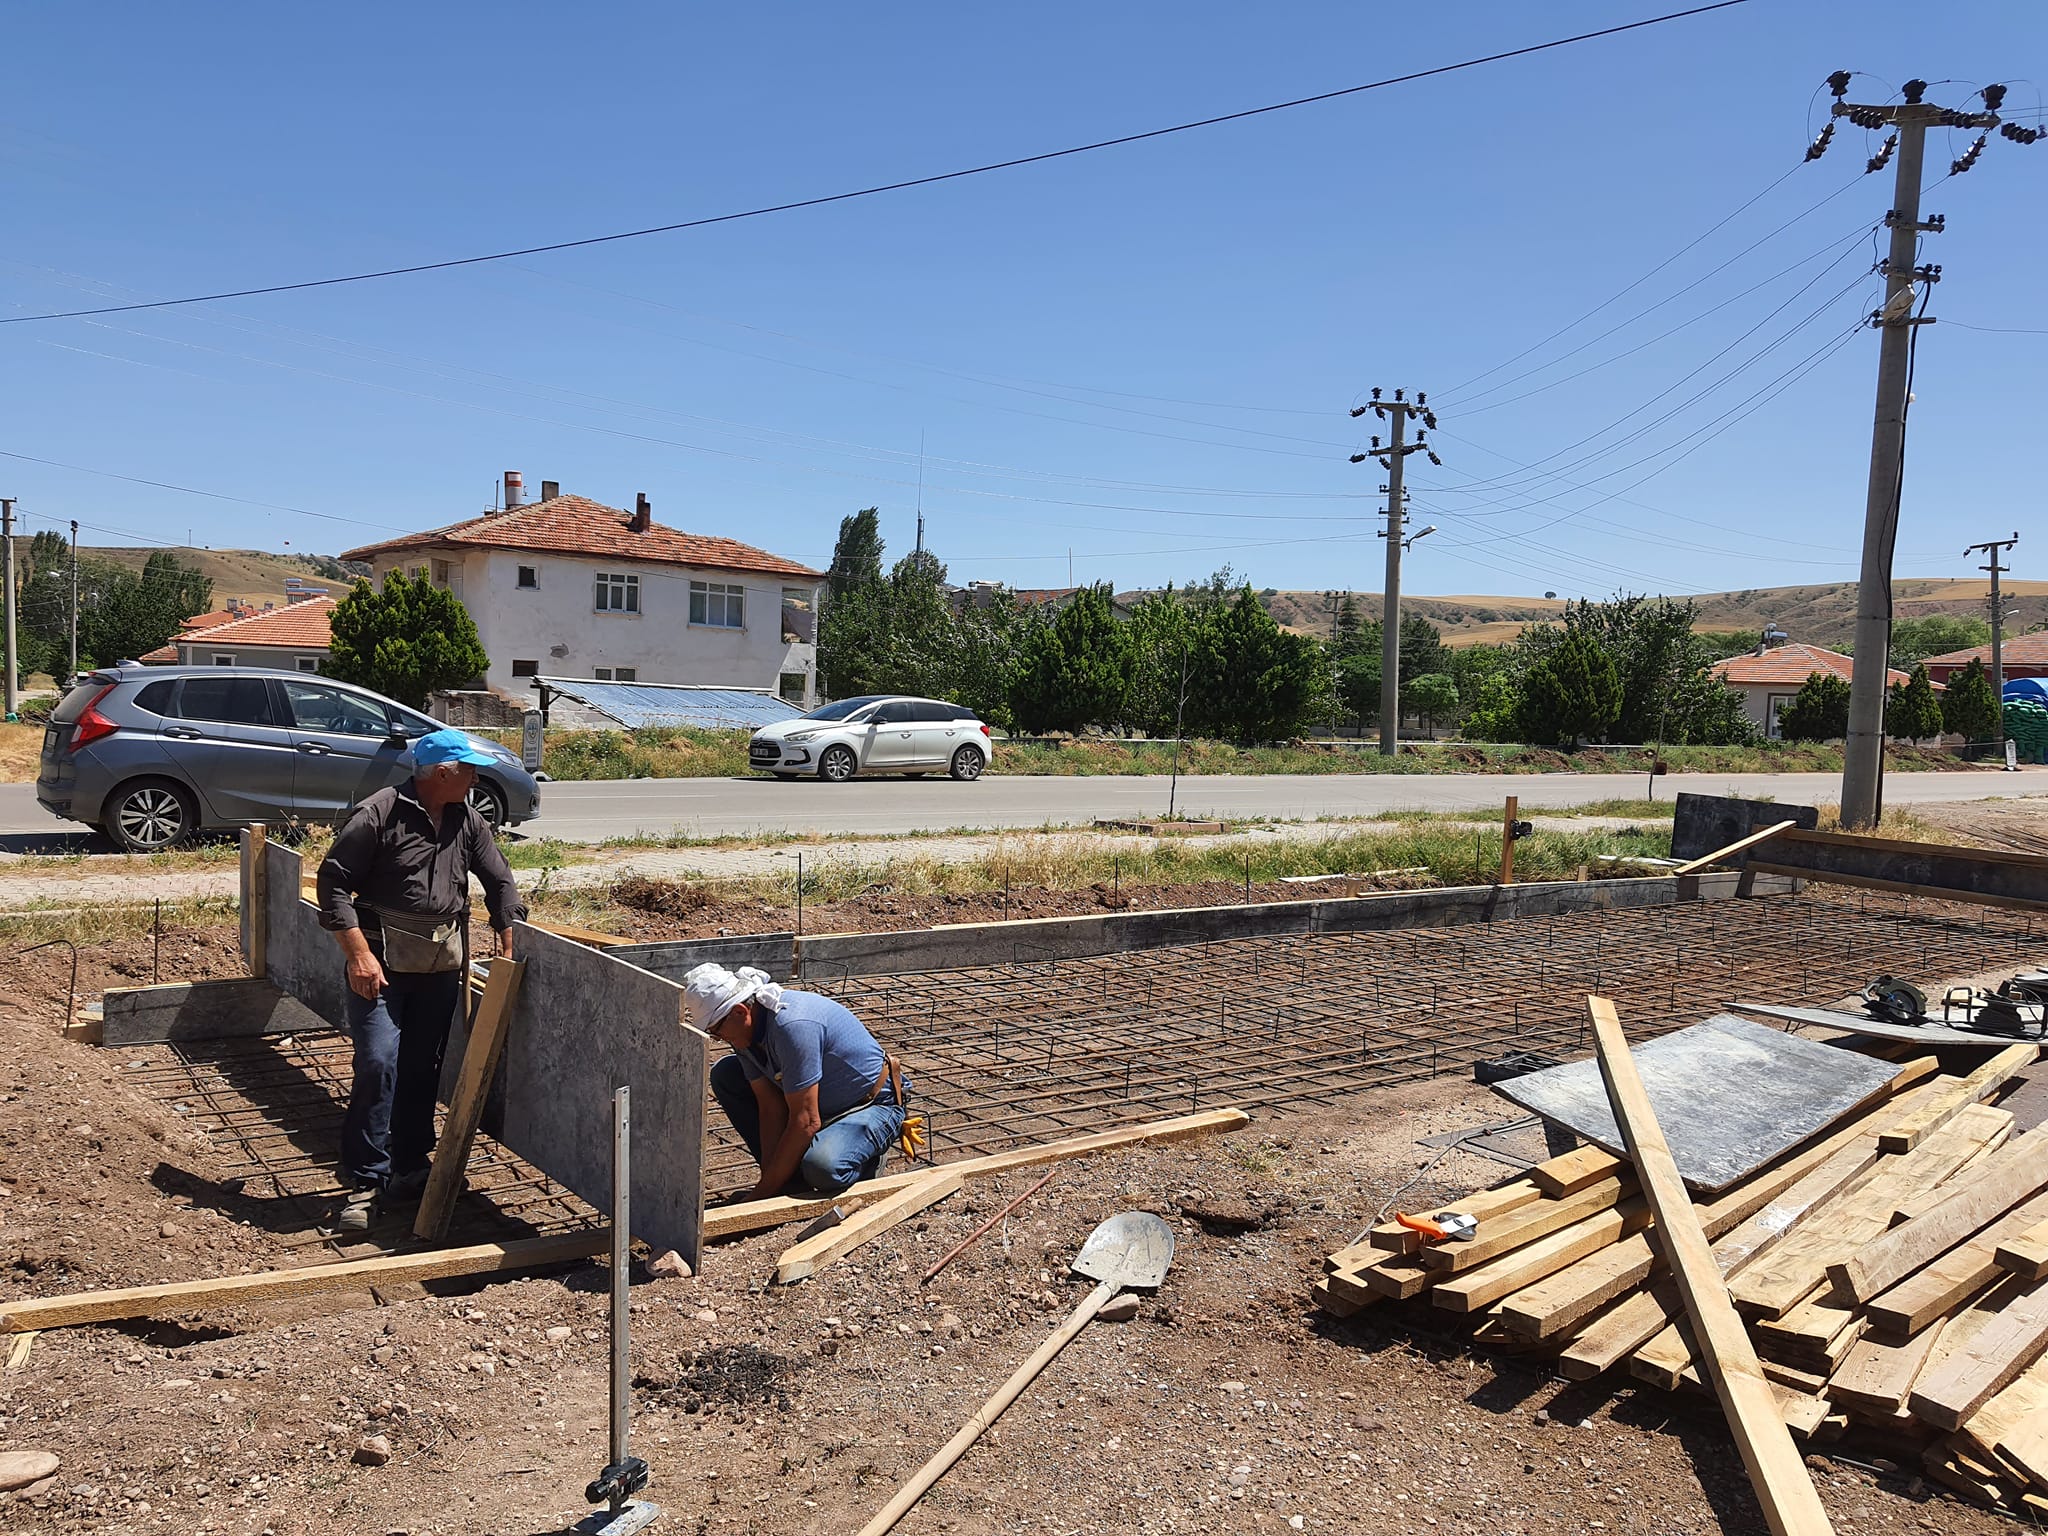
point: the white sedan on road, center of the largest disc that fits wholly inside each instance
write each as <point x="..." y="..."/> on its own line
<point x="877" y="733"/>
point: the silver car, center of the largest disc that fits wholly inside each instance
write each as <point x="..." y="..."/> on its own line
<point x="153" y="756"/>
<point x="877" y="733"/>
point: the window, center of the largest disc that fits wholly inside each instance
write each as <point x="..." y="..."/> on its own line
<point x="790" y="685"/>
<point x="616" y="674"/>
<point x="309" y="663"/>
<point x="529" y="576"/>
<point x="798" y="622"/>
<point x="1772" y="704"/>
<point x="156" y="697"/>
<point x="440" y="573"/>
<point x="617" y="592"/>
<point x="231" y="700"/>
<point x="223" y="659"/>
<point x="318" y="708"/>
<point x="902" y="712"/>
<point x="717" y="605"/>
<point x="526" y="669"/>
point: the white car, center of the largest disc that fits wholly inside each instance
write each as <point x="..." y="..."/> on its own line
<point x="877" y="733"/>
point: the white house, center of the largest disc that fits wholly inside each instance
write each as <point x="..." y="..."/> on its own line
<point x="293" y="638"/>
<point x="569" y="587"/>
<point x="1770" y="677"/>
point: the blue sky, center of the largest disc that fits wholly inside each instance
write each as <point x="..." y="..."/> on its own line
<point x="1143" y="356"/>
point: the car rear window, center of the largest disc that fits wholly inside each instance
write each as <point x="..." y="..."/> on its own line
<point x="231" y="700"/>
<point x="156" y="697"/>
<point x="72" y="705"/>
<point x="960" y="712"/>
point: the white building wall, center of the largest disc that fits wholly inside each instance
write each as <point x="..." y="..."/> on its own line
<point x="201" y="653"/>
<point x="556" y="623"/>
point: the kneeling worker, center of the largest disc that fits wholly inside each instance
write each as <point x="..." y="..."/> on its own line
<point x="810" y="1091"/>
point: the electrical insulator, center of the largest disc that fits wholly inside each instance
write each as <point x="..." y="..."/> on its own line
<point x="1819" y="146"/>
<point x="1883" y="157"/>
<point x="1397" y="394"/>
<point x="1375" y="394"/>
<point x="1838" y="82"/>
<point x="1358" y="458"/>
<point x="1357" y="411"/>
<point x="1913" y="90"/>
<point x="1994" y="97"/>
<point x="1421" y="398"/>
<point x="1375" y="442"/>
<point x="1969" y="156"/>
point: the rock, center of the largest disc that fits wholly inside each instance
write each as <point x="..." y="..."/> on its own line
<point x="828" y="1347"/>
<point x="1296" y="1521"/>
<point x="706" y="1315"/>
<point x="169" y="1229"/>
<point x="559" y="1335"/>
<point x="1233" y="1386"/>
<point x="669" y="1266"/>
<point x="1121" y="1310"/>
<point x="372" y="1451"/>
<point x="20" y="1468"/>
<point x="949" y="1325"/>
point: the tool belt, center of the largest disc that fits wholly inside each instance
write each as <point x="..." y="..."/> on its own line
<point x="912" y="1136"/>
<point x="416" y="944"/>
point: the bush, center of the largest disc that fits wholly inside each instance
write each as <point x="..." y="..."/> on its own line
<point x="1819" y="711"/>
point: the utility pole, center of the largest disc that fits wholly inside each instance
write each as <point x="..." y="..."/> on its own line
<point x="1991" y="547"/>
<point x="1909" y="120"/>
<point x="7" y="575"/>
<point x="73" y="675"/>
<point x="1392" y="458"/>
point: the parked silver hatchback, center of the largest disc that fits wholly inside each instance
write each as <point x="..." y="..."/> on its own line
<point x="876" y="733"/>
<point x="154" y="755"/>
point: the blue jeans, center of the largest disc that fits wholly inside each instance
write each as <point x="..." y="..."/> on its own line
<point x="389" y="1127"/>
<point x="848" y="1150"/>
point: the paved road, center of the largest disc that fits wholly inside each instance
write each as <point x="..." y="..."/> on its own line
<point x="591" y="812"/>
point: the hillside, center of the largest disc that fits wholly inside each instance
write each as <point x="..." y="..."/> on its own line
<point x="1824" y="615"/>
<point x="252" y="575"/>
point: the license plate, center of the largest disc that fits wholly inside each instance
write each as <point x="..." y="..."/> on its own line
<point x="50" y="738"/>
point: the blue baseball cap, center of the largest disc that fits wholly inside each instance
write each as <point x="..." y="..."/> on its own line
<point x="438" y="747"/>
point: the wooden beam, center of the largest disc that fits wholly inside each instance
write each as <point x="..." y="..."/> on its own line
<point x="1507" y="841"/>
<point x="484" y="1045"/>
<point x="1877" y="1376"/>
<point x="1325" y="1296"/>
<point x="1392" y="1237"/>
<point x="2014" y="1173"/>
<point x="1898" y="887"/>
<point x="1573" y="1171"/>
<point x="1481" y="1287"/>
<point x="1735" y="847"/>
<point x="806" y="1258"/>
<point x="194" y="1295"/>
<point x="1969" y="1090"/>
<point x="2026" y="1254"/>
<point x="1524" y="1226"/>
<point x="1953" y="1278"/>
<point x="2006" y="1345"/>
<point x="1776" y="1471"/>
<point x="255" y="894"/>
<point x="588" y="936"/>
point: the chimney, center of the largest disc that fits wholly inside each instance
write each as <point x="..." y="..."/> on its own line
<point x="515" y="487"/>
<point x="643" y="513"/>
<point x="550" y="489"/>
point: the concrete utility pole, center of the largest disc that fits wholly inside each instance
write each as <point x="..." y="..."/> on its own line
<point x="74" y="605"/>
<point x="1909" y="120"/>
<point x="7" y="576"/>
<point x="1391" y="458"/>
<point x="1991" y="547"/>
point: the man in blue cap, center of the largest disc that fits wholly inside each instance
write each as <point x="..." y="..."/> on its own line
<point x="394" y="890"/>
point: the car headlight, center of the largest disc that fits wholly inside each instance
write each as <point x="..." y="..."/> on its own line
<point x="802" y="736"/>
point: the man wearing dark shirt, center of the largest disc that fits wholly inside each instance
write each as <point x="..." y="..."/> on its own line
<point x="394" y="890"/>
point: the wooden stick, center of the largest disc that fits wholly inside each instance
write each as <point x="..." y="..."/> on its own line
<point x="256" y="896"/>
<point x="1790" y="1505"/>
<point x="1735" y="847"/>
<point x="1507" y="841"/>
<point x="1525" y="1226"/>
<point x="466" y="1104"/>
<point x="989" y="1411"/>
<point x="1970" y="1090"/>
<point x="813" y="1254"/>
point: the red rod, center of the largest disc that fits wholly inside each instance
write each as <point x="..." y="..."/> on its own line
<point x="982" y="1230"/>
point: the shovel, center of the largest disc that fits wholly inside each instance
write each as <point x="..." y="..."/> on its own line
<point x="1131" y="1250"/>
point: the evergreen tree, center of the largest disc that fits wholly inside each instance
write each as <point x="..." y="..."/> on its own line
<point x="1496" y="712"/>
<point x="1912" y="709"/>
<point x="1256" y="681"/>
<point x="1431" y="697"/>
<point x="1075" y="671"/>
<point x="1162" y="630"/>
<point x="1819" y="711"/>
<point x="1573" y="694"/>
<point x="406" y="641"/>
<point x="1970" y="708"/>
<point x="1350" y="624"/>
<point x="857" y="555"/>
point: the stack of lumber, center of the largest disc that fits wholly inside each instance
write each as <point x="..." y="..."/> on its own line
<point x="1892" y="1274"/>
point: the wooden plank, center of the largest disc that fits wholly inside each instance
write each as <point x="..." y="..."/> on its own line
<point x="1898" y="887"/>
<point x="1877" y="1375"/>
<point x="230" y="1290"/>
<point x="1325" y="1297"/>
<point x="1738" y="846"/>
<point x="1960" y="1383"/>
<point x="232" y="1007"/>
<point x="1524" y="1226"/>
<point x="2015" y="1173"/>
<point x="1776" y="1471"/>
<point x="1797" y="1267"/>
<point x="1481" y="1287"/>
<point x="1397" y="1276"/>
<point x="480" y="1053"/>
<point x="255" y="897"/>
<point x="804" y="1259"/>
<point x="588" y="936"/>
<point x="2025" y="1448"/>
<point x="1571" y="1172"/>
<point x="1969" y="1090"/>
<point x="2025" y="1396"/>
<point x="1617" y="1333"/>
<point x="1392" y="1237"/>
<point x="1953" y="1278"/>
<point x="2026" y="1254"/>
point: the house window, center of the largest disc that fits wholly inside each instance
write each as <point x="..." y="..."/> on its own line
<point x="1772" y="704"/>
<point x="799" y="624"/>
<point x="526" y="669"/>
<point x="616" y="674"/>
<point x="309" y="663"/>
<point x="529" y="576"/>
<point x="223" y="659"/>
<point x="617" y="592"/>
<point x="791" y="686"/>
<point x="440" y="573"/>
<point x="717" y="605"/>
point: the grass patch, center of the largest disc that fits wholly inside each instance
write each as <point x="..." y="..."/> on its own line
<point x="21" y="751"/>
<point x="89" y="925"/>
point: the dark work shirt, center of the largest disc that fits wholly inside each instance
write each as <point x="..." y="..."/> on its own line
<point x="390" y="855"/>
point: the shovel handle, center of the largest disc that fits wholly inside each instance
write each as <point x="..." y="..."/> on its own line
<point x="990" y="1411"/>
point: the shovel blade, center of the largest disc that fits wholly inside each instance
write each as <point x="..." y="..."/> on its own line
<point x="1132" y="1249"/>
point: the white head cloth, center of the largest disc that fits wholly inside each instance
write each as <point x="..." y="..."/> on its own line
<point x="710" y="992"/>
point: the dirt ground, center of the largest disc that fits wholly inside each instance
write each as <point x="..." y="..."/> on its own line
<point x="1229" y="1404"/>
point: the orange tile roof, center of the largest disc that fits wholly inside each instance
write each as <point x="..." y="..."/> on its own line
<point x="300" y="626"/>
<point x="2022" y="650"/>
<point x="576" y="525"/>
<point x="1791" y="665"/>
<point x="163" y="655"/>
<point x="200" y="621"/>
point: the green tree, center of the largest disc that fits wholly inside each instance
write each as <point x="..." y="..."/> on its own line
<point x="1819" y="711"/>
<point x="1912" y="709"/>
<point x="1970" y="708"/>
<point x="1431" y="697"/>
<point x="1936" y="634"/>
<point x="1358" y="686"/>
<point x="1496" y="712"/>
<point x="1573" y="694"/>
<point x="1350" y="624"/>
<point x="1162" y="634"/>
<point x="406" y="641"/>
<point x="857" y="555"/>
<point x="1255" y="680"/>
<point x="1074" y="672"/>
<point x="990" y="638"/>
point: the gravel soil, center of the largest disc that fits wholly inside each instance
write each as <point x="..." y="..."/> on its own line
<point x="1228" y="1404"/>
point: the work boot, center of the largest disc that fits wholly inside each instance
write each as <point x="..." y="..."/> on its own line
<point x="406" y="1188"/>
<point x="356" y="1209"/>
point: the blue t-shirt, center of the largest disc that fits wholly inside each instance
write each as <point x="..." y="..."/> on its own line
<point x="812" y="1039"/>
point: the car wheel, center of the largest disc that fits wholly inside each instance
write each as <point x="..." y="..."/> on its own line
<point x="785" y="777"/>
<point x="489" y="803"/>
<point x="838" y="765"/>
<point x="967" y="765"/>
<point x="151" y="815"/>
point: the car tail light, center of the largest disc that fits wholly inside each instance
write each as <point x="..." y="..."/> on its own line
<point x="91" y="725"/>
<point x="984" y="731"/>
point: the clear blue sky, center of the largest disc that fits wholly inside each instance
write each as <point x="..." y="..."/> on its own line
<point x="1144" y="355"/>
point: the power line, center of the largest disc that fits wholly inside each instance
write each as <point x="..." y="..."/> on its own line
<point x="892" y="186"/>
